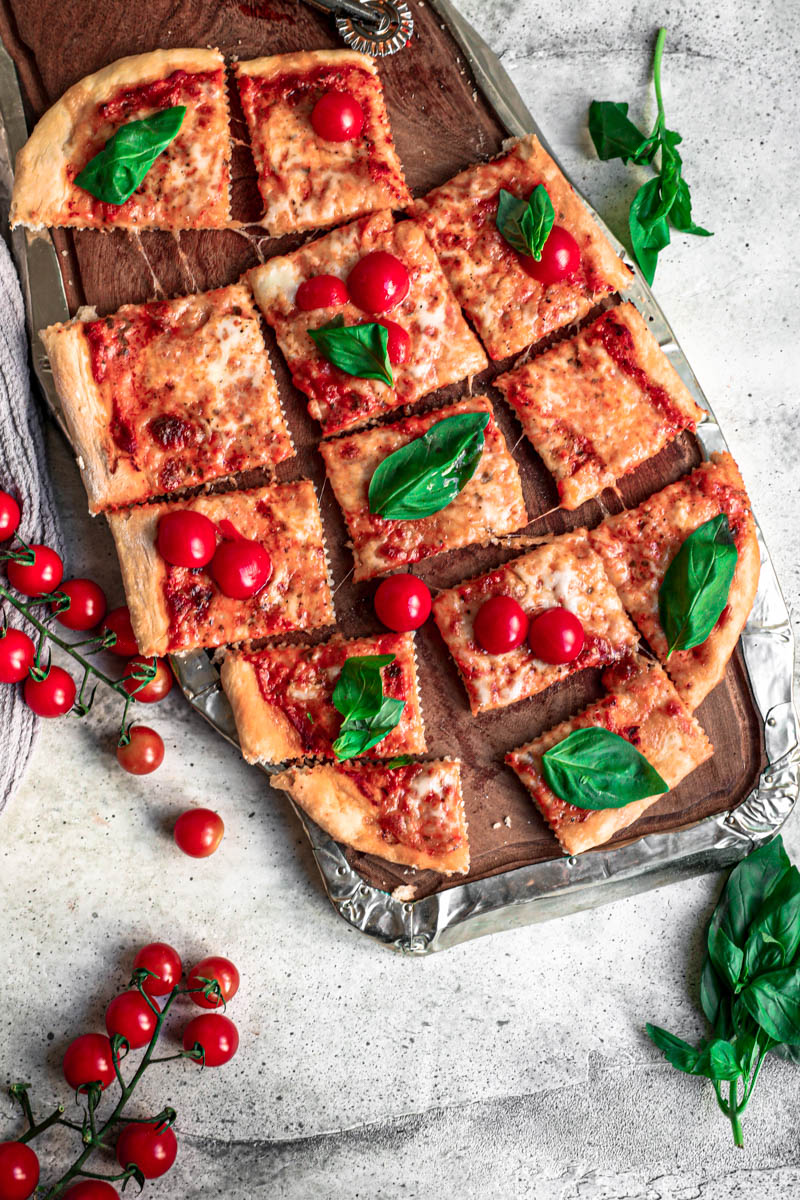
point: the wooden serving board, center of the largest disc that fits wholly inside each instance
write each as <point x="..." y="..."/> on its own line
<point x="441" y="124"/>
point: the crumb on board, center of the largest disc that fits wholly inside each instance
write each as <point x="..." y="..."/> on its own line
<point x="496" y="824"/>
<point x="507" y="821"/>
<point x="404" y="892"/>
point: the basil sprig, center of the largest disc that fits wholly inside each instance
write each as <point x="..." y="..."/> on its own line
<point x="526" y="225"/>
<point x="358" y="696"/>
<point x="661" y="202"/>
<point x="595" y="768"/>
<point x="360" y="350"/>
<point x="426" y="475"/>
<point x="695" y="587"/>
<point x="114" y="174"/>
<point x="750" y="985"/>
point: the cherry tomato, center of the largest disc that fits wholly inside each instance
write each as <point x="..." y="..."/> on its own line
<point x="217" y="1035"/>
<point x="144" y="753"/>
<point x="321" y="291"/>
<point x="378" y="282"/>
<point x="500" y="625"/>
<point x="118" y="620"/>
<point x="186" y="538"/>
<point x="165" y="964"/>
<point x="19" y="1171"/>
<point x="399" y="343"/>
<point x="561" y="257"/>
<point x="87" y="604"/>
<point x="214" y="967"/>
<point x="89" y="1059"/>
<point x="337" y="117"/>
<point x="402" y="602"/>
<point x="556" y="636"/>
<point x="131" y="1017"/>
<point x="52" y="696"/>
<point x="91" y="1189"/>
<point x="198" y="832"/>
<point x="44" y="574"/>
<point x="10" y="517"/>
<point x="158" y="687"/>
<point x="152" y="1148"/>
<point x="241" y="568"/>
<point x="17" y="653"/>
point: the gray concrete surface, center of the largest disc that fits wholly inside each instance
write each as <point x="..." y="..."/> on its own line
<point x="517" y="1065"/>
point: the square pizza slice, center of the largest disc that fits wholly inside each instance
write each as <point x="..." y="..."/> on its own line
<point x="412" y="814"/>
<point x="168" y="395"/>
<point x="641" y="706"/>
<point x="429" y="342"/>
<point x="495" y="285"/>
<point x="599" y="404"/>
<point x="489" y="505"/>
<point x="282" y="697"/>
<point x="186" y="186"/>
<point x="638" y="546"/>
<point x="176" y="608"/>
<point x="564" y="573"/>
<point x="320" y="137"/>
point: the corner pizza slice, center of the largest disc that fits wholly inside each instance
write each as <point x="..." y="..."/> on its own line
<point x="374" y="279"/>
<point x="497" y="285"/>
<point x="320" y="137"/>
<point x="639" y="546"/>
<point x="282" y="697"/>
<point x="412" y="814"/>
<point x="489" y="505"/>
<point x="267" y="542"/>
<point x="599" y="404"/>
<point x="564" y="575"/>
<point x="187" y="184"/>
<point x="167" y="395"/>
<point x="643" y="708"/>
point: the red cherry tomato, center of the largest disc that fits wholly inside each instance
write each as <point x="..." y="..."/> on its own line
<point x="556" y="636"/>
<point x="17" y="653"/>
<point x="402" y="602"/>
<point x="321" y="291"/>
<point x="198" y="832"/>
<point x="378" y="282"/>
<point x="52" y="696"/>
<point x="561" y="258"/>
<point x="144" y="753"/>
<point x="19" y="1171"/>
<point x="89" y="1059"/>
<point x="119" y="622"/>
<point x="213" y="967"/>
<point x="152" y="1148"/>
<point x="186" y="538"/>
<point x="87" y="604"/>
<point x="217" y="1035"/>
<point x="44" y="574"/>
<point x="131" y="1017"/>
<point x="165" y="964"/>
<point x="337" y="117"/>
<point x="158" y="687"/>
<point x="241" y="568"/>
<point x="399" y="343"/>
<point x="500" y="625"/>
<point x="91" y="1189"/>
<point x="10" y="517"/>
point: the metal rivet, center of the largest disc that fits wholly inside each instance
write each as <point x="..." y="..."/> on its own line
<point x="768" y="778"/>
<point x="365" y="891"/>
<point x="408" y="907"/>
<point x="571" y="862"/>
<point x="341" y="871"/>
<point x="770" y="720"/>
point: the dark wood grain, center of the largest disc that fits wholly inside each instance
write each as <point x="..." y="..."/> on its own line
<point x="441" y="124"/>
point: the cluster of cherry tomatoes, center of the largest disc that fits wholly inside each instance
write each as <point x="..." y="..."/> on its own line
<point x="239" y="567"/>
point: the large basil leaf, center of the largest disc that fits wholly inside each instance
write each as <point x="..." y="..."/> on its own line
<point x="715" y="1000"/>
<point x="359" y="689"/>
<point x="696" y="585"/>
<point x="114" y="174"/>
<point x="425" y="475"/>
<point x="773" y="1001"/>
<point x="680" y="214"/>
<point x="748" y="887"/>
<point x="718" y="1060"/>
<point x="595" y="768"/>
<point x="526" y="225"/>
<point x="360" y="350"/>
<point x="774" y="936"/>
<point x="726" y="957"/>
<point x="356" y="736"/>
<point x="613" y="134"/>
<point x="649" y="233"/>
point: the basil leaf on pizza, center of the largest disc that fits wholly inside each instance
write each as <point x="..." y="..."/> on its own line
<point x="595" y="769"/>
<point x="425" y="475"/>
<point x="368" y="714"/>
<point x="526" y="225"/>
<point x="696" y="585"/>
<point x="360" y="350"/>
<point x="114" y="174"/>
<point x="357" y="736"/>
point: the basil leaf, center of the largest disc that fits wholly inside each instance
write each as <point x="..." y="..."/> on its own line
<point x="356" y="736"/>
<point x="677" y="1052"/>
<point x="749" y="886"/>
<point x="774" y="936"/>
<point x="613" y="134"/>
<point x="359" y="688"/>
<point x="526" y="227"/>
<point x="649" y="234"/>
<point x="773" y="1001"/>
<point x="726" y="957"/>
<point x="426" y="475"/>
<point x="695" y="587"/>
<point x="360" y="350"/>
<point x="718" y="1060"/>
<point x="715" y="1000"/>
<point x="402" y="760"/>
<point x="680" y="214"/>
<point x="114" y="174"/>
<point x="594" y="769"/>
